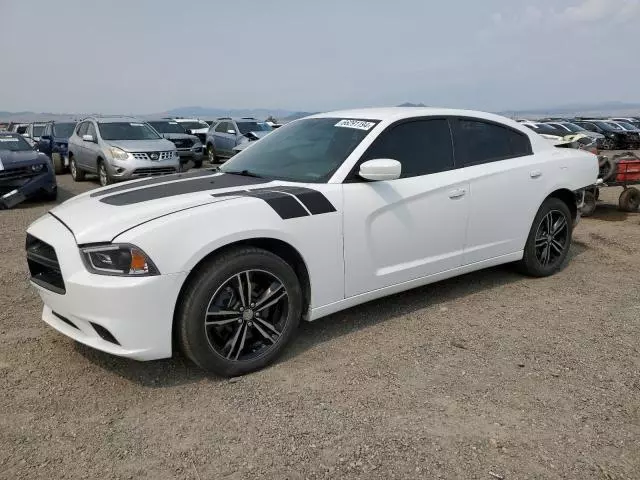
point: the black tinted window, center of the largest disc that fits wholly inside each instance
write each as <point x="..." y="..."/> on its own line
<point x="482" y="142"/>
<point x="421" y="146"/>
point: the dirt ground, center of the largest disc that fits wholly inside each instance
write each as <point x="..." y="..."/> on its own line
<point x="487" y="376"/>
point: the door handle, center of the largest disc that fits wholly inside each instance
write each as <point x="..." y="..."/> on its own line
<point x="535" y="174"/>
<point x="457" y="193"/>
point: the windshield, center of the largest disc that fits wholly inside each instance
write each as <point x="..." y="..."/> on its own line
<point x="63" y="130"/>
<point x="308" y="150"/>
<point x="542" y="128"/>
<point x="573" y="127"/>
<point x="37" y="130"/>
<point x="127" y="131"/>
<point x="14" y="143"/>
<point x="609" y="126"/>
<point x="246" y="127"/>
<point x="193" y="125"/>
<point x="167" y="127"/>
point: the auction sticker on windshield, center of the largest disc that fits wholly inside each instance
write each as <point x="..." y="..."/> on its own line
<point x="358" y="124"/>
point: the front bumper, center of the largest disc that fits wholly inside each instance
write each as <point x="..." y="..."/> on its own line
<point x="130" y="169"/>
<point x="15" y="189"/>
<point x="137" y="313"/>
<point x="191" y="153"/>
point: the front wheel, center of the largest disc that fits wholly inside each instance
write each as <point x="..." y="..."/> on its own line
<point x="549" y="240"/>
<point x="629" y="200"/>
<point x="58" y="163"/>
<point x="211" y="154"/>
<point x="239" y="312"/>
<point x="103" y="175"/>
<point x="77" y="174"/>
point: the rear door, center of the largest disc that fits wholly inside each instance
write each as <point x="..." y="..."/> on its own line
<point x="78" y="149"/>
<point x="506" y="180"/>
<point x="401" y="230"/>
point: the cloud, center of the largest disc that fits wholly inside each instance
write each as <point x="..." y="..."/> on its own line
<point x="602" y="10"/>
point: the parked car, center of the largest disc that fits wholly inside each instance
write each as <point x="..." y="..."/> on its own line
<point x="632" y="120"/>
<point x="325" y="213"/>
<point x="572" y="129"/>
<point x="34" y="130"/>
<point x="24" y="172"/>
<point x="228" y="133"/>
<point x="119" y="148"/>
<point x="194" y="126"/>
<point x="545" y="130"/>
<point x="18" y="127"/>
<point x="634" y="133"/>
<point x="189" y="146"/>
<point x="54" y="143"/>
<point x="616" y="138"/>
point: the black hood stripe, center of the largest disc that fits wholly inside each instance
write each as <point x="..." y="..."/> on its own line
<point x="170" y="189"/>
<point x="288" y="202"/>
<point x="154" y="181"/>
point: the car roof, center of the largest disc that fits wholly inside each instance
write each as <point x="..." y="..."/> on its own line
<point x="114" y="119"/>
<point x="399" y="113"/>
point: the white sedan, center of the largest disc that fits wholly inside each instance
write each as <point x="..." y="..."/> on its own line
<point x="325" y="213"/>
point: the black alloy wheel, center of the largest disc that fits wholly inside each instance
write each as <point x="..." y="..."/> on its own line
<point x="239" y="311"/>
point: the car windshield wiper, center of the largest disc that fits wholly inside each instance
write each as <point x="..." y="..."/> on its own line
<point x="244" y="173"/>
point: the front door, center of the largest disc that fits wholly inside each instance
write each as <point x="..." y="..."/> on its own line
<point x="413" y="227"/>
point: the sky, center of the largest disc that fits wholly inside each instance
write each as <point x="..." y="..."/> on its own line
<point x="148" y="56"/>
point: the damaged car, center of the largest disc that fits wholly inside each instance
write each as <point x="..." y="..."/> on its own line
<point x="24" y="172"/>
<point x="189" y="146"/>
<point x="54" y="143"/>
<point x="229" y="136"/>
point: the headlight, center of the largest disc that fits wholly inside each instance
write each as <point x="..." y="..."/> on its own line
<point x="118" y="153"/>
<point x="118" y="259"/>
<point x="37" y="168"/>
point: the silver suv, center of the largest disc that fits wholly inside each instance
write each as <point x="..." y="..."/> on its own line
<point x="119" y="148"/>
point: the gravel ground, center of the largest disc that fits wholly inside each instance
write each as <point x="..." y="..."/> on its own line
<point x="486" y="376"/>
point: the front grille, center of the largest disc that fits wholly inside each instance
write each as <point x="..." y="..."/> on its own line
<point x="16" y="173"/>
<point x="147" y="155"/>
<point x="147" y="172"/>
<point x="43" y="265"/>
<point x="182" y="142"/>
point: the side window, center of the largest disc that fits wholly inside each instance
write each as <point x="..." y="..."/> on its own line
<point x="91" y="130"/>
<point x="82" y="129"/>
<point x="221" y="127"/>
<point x="480" y="142"/>
<point x="232" y="126"/>
<point x="421" y="146"/>
<point x="589" y="126"/>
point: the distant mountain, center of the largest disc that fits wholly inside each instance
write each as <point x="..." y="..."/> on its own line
<point x="408" y="104"/>
<point x="210" y="113"/>
<point x="602" y="109"/>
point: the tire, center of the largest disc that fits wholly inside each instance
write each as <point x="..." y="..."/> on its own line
<point x="50" y="196"/>
<point x="630" y="200"/>
<point x="232" y="346"/>
<point x="540" y="244"/>
<point x="58" y="164"/>
<point x="103" y="174"/>
<point x="197" y="164"/>
<point x="607" y="168"/>
<point x="608" y="144"/>
<point x="77" y="174"/>
<point x="589" y="206"/>
<point x="211" y="154"/>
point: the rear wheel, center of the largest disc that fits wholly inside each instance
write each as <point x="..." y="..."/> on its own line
<point x="77" y="174"/>
<point x="58" y="163"/>
<point x="608" y="144"/>
<point x="549" y="240"/>
<point x="629" y="200"/>
<point x="239" y="312"/>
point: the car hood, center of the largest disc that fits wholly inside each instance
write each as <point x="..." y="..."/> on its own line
<point x="101" y="215"/>
<point x="9" y="158"/>
<point x="142" y="145"/>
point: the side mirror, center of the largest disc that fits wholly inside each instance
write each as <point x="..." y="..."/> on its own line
<point x="88" y="138"/>
<point x="231" y="132"/>
<point x="380" y="169"/>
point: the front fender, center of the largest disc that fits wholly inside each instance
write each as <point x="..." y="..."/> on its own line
<point x="179" y="241"/>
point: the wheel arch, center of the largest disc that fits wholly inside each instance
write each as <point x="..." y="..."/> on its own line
<point x="278" y="247"/>
<point x="567" y="197"/>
